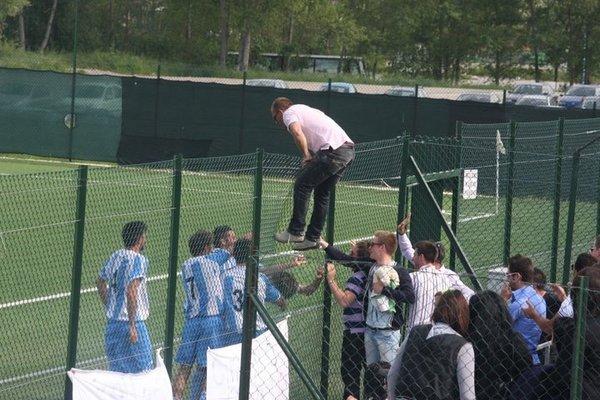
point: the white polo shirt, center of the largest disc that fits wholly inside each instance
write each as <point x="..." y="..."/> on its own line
<point x="321" y="132"/>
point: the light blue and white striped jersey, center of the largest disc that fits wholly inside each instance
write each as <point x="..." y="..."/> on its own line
<point x="233" y="287"/>
<point x="119" y="271"/>
<point x="222" y="257"/>
<point x="202" y="287"/>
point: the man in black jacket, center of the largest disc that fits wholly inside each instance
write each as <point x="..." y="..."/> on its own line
<point x="382" y="333"/>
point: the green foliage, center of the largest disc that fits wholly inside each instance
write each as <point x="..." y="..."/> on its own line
<point x="441" y="39"/>
<point x="10" y="8"/>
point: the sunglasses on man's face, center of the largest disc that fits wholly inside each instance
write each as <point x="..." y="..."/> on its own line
<point x="374" y="244"/>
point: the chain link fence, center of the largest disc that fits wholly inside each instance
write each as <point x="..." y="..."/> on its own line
<point x="54" y="259"/>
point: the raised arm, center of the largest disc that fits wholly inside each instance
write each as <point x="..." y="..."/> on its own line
<point x="405" y="247"/>
<point x="404" y="244"/>
<point x="335" y="254"/>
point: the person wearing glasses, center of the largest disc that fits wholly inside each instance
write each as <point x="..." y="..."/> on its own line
<point x="326" y="151"/>
<point x="520" y="294"/>
<point x="382" y="328"/>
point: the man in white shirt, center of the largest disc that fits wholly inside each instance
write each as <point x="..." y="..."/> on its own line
<point x="406" y="248"/>
<point x="327" y="151"/>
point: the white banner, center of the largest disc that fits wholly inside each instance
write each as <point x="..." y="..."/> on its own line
<point x="107" y="385"/>
<point x="269" y="376"/>
<point x="470" y="178"/>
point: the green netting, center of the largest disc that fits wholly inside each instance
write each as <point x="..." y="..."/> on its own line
<point x="35" y="108"/>
<point x="37" y="236"/>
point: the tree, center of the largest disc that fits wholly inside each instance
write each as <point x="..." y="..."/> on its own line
<point x="49" y="26"/>
<point x="10" y="8"/>
<point x="501" y="27"/>
<point x="223" y="32"/>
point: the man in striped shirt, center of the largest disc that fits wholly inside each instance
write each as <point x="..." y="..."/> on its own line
<point x="122" y="287"/>
<point x="353" y="346"/>
<point x="202" y="308"/>
<point x="430" y="277"/>
<point x="224" y="239"/>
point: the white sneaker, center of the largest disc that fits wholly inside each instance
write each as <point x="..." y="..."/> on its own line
<point x="305" y="245"/>
<point x="286" y="237"/>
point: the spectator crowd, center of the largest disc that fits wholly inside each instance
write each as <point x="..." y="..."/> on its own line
<point x="409" y="333"/>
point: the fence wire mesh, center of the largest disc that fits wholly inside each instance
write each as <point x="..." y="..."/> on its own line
<point x="325" y="334"/>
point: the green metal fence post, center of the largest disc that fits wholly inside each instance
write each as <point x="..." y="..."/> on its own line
<point x="242" y="114"/>
<point x="598" y="202"/>
<point x="76" y="272"/>
<point x="571" y="217"/>
<point x="73" y="79"/>
<point x="173" y="254"/>
<point x="456" y="193"/>
<point x="579" y="345"/>
<point x="157" y="100"/>
<point x="328" y="105"/>
<point x="415" y="111"/>
<point x="326" y="325"/>
<point x="402" y="189"/>
<point x="287" y="349"/>
<point x="251" y="284"/>
<point x="509" y="192"/>
<point x="557" y="200"/>
<point x="451" y="236"/>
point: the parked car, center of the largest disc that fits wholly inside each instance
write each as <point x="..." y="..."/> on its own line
<point x="536" y="101"/>
<point x="89" y="97"/>
<point x="576" y="95"/>
<point x="526" y="89"/>
<point x="588" y="103"/>
<point x="479" y="97"/>
<point x="404" y="91"/>
<point x="340" y="87"/>
<point x="21" y="94"/>
<point x="274" y="83"/>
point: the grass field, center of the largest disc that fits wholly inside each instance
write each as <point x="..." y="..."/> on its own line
<point x="36" y="246"/>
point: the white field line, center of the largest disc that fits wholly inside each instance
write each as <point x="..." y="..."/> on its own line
<point x="66" y="163"/>
<point x="64" y="295"/>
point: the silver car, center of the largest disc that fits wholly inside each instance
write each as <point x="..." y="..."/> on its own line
<point x="588" y="103"/>
<point x="529" y="89"/>
<point x="479" y="97"/>
<point x="274" y="83"/>
<point x="536" y="101"/>
<point x="404" y="91"/>
<point x="339" y="87"/>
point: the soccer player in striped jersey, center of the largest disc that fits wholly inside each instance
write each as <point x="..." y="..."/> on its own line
<point x="223" y="241"/>
<point x="202" y="308"/>
<point x="233" y="288"/>
<point x="122" y="288"/>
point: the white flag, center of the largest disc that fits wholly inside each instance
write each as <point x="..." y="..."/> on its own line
<point x="499" y="145"/>
<point x="106" y="385"/>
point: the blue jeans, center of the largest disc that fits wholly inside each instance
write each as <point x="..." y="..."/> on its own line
<point x="381" y="345"/>
<point x="320" y="175"/>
